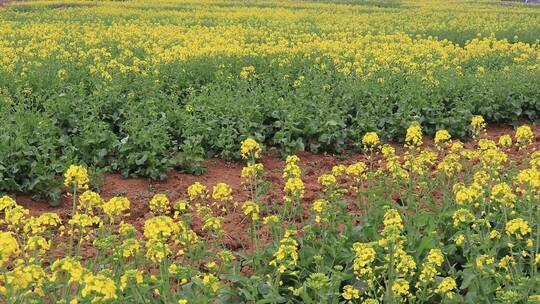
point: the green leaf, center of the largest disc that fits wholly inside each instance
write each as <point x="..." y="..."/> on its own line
<point x="425" y="243"/>
<point x="468" y="277"/>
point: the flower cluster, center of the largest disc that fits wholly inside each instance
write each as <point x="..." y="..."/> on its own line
<point x="222" y="192"/>
<point x="524" y="136"/>
<point x="252" y="170"/>
<point x="89" y="201"/>
<point x="115" y="207"/>
<point x="160" y="204"/>
<point x="370" y="141"/>
<point x="294" y="186"/>
<point x="441" y="137"/>
<point x="251" y="209"/>
<point x="250" y="149"/>
<point x="478" y="125"/>
<point x="286" y="257"/>
<point x="197" y="191"/>
<point x="9" y="247"/>
<point x="76" y="176"/>
<point x="518" y="227"/>
<point x="413" y="138"/>
<point x="160" y="228"/>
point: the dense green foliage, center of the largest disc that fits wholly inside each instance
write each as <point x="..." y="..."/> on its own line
<point x="174" y="113"/>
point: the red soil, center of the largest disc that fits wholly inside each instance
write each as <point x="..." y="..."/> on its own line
<point x="140" y="190"/>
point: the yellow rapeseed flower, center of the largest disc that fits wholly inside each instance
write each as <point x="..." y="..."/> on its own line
<point x="89" y="200"/>
<point x="365" y="255"/>
<point x="442" y="136"/>
<point x="76" y="175"/>
<point x="211" y="281"/>
<point x="130" y="247"/>
<point x="69" y="266"/>
<point x="413" y="138"/>
<point x="160" y="227"/>
<point x="462" y="216"/>
<point x="286" y="256"/>
<point x="400" y="288"/>
<point x="213" y="223"/>
<point x="159" y="204"/>
<point x="250" y="149"/>
<point x="222" y="192"/>
<point x="505" y="141"/>
<point x="524" y="136"/>
<point x="294" y="189"/>
<point x="502" y="194"/>
<point x="247" y="72"/>
<point x="251" y="209"/>
<point x="450" y="165"/>
<point x="478" y="125"/>
<point x="197" y="191"/>
<point x="99" y="288"/>
<point x="156" y="250"/>
<point x="6" y="202"/>
<point x="370" y="141"/>
<point x="9" y="247"/>
<point x="115" y="207"/>
<point x="292" y="170"/>
<point x="446" y="287"/>
<point x="271" y="220"/>
<point x="252" y="170"/>
<point x="327" y="180"/>
<point x="518" y="227"/>
<point x="357" y="170"/>
<point x="338" y="170"/>
<point x="350" y="293"/>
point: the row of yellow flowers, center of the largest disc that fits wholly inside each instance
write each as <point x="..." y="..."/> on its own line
<point x="476" y="240"/>
<point x="140" y="46"/>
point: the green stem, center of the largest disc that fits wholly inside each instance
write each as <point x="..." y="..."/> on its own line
<point x="73" y="208"/>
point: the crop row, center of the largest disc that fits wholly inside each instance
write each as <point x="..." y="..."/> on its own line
<point x="143" y="88"/>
